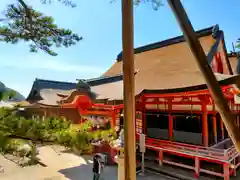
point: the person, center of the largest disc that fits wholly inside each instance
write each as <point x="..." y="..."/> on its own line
<point x="121" y="137"/>
<point x="96" y="167"/>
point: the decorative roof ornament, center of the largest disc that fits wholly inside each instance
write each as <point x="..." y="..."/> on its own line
<point x="215" y="30"/>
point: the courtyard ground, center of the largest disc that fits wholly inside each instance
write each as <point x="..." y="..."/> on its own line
<point x="62" y="165"/>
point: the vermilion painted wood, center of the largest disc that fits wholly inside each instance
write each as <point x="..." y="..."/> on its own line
<point x="180" y="149"/>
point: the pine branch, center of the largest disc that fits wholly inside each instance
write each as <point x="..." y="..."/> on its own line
<point x="42" y="32"/>
<point x="28" y="13"/>
<point x="65" y="2"/>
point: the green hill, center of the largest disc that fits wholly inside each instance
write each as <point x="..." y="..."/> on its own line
<point x="17" y="97"/>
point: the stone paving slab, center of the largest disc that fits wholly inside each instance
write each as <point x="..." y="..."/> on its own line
<point x="33" y="173"/>
<point x="110" y="173"/>
<point x="8" y="166"/>
<point x="63" y="165"/>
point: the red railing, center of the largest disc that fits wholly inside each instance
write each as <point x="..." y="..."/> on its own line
<point x="189" y="150"/>
<point x="219" y="155"/>
<point x="227" y="158"/>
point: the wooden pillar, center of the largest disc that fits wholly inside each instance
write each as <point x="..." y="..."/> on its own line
<point x="45" y="113"/>
<point x="197" y="167"/>
<point x="234" y="168"/>
<point x="226" y="171"/>
<point x="205" y="125"/>
<point x="238" y="125"/>
<point x="214" y="122"/>
<point x="215" y="128"/>
<point x="144" y="118"/>
<point x="129" y="91"/>
<point x="160" y="157"/>
<point x="113" y="121"/>
<point x="170" y="120"/>
<point x="222" y="127"/>
<point x="80" y="114"/>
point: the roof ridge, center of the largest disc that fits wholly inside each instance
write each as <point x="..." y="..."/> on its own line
<point x="103" y="77"/>
<point x="171" y="41"/>
<point x="54" y="81"/>
<point x="106" y="79"/>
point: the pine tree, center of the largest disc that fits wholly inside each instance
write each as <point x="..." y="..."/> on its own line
<point x="23" y="23"/>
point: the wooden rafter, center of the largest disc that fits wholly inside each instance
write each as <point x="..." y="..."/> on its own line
<point x="211" y="81"/>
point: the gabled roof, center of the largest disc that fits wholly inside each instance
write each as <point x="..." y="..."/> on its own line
<point x="114" y="90"/>
<point x="49" y="92"/>
<point x="233" y="59"/>
<point x="50" y="84"/>
<point x="164" y="67"/>
<point x="201" y="33"/>
<point x="104" y="80"/>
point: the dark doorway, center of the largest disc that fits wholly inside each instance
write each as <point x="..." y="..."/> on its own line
<point x="188" y="129"/>
<point x="157" y="125"/>
<point x="211" y="138"/>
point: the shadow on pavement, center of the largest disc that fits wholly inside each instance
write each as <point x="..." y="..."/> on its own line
<point x="84" y="172"/>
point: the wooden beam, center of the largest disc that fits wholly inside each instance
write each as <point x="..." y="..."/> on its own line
<point x="174" y="103"/>
<point x="129" y="91"/>
<point x="207" y="73"/>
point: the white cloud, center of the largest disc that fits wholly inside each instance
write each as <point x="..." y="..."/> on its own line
<point x="43" y="67"/>
<point x="53" y="65"/>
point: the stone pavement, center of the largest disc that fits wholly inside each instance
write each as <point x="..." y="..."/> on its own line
<point x="62" y="165"/>
<point x="33" y="173"/>
<point x="110" y="173"/>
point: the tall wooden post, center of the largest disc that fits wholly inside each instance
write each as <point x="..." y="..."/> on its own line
<point x="129" y="94"/>
<point x="214" y="119"/>
<point x="222" y="128"/>
<point x="170" y="120"/>
<point x="113" y="121"/>
<point x="214" y="128"/>
<point x="207" y="73"/>
<point x="205" y="125"/>
<point x="144" y="127"/>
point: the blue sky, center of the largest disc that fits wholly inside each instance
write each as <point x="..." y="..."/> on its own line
<point x="99" y="22"/>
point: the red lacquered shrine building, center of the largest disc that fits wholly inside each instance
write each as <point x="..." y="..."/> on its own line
<point x="97" y="112"/>
<point x="173" y="106"/>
